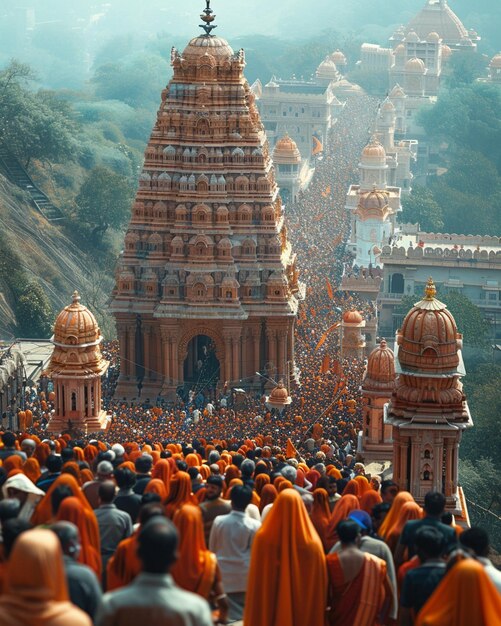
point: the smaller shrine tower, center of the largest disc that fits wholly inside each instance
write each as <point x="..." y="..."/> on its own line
<point x="377" y="387"/>
<point x="352" y="338"/>
<point x="287" y="162"/>
<point x="76" y="367"/>
<point x="428" y="409"/>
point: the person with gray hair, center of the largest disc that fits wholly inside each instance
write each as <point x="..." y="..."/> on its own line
<point x="83" y="585"/>
<point x="247" y="469"/>
<point x="290" y="473"/>
<point x="104" y="472"/>
<point x="214" y="457"/>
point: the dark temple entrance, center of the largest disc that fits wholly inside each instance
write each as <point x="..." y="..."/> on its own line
<point x="201" y="366"/>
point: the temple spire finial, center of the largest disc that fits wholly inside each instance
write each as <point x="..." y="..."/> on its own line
<point x="207" y="17"/>
<point x="430" y="291"/>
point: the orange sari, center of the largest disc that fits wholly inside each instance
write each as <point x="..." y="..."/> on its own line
<point x="287" y="581"/>
<point x="180" y="494"/>
<point x="195" y="569"/>
<point x="391" y="519"/>
<point x="358" y="601"/>
<point x="320" y="514"/>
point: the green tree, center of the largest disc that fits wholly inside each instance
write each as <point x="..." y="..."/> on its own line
<point x="104" y="200"/>
<point x="420" y="206"/>
<point x="34" y="313"/>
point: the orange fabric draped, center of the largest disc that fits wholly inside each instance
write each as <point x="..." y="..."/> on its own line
<point x="195" y="569"/>
<point x="71" y="467"/>
<point x="32" y="469"/>
<point x="268" y="495"/>
<point x="369" y="500"/>
<point x="466" y="596"/>
<point x="231" y="472"/>
<point x="43" y="512"/>
<point x="363" y="485"/>
<point x="320" y="514"/>
<point x="14" y="462"/>
<point x="79" y="454"/>
<point x="192" y="460"/>
<point x="409" y="511"/>
<point x="124" y="565"/>
<point x="260" y="482"/>
<point x="333" y="471"/>
<point x="41" y="453"/>
<point x="344" y="506"/>
<point x="71" y="510"/>
<point x="285" y="484"/>
<point x="87" y="475"/>
<point x="156" y="485"/>
<point x="390" y="520"/>
<point x="180" y="493"/>
<point x="36" y="592"/>
<point x="287" y="582"/>
<point x="352" y="488"/>
<point x="162" y="471"/>
<point x="357" y="601"/>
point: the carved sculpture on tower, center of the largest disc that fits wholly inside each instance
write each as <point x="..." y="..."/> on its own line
<point x="377" y="387"/>
<point x="76" y="367"/>
<point x="352" y="338"/>
<point x="428" y="409"/>
<point x="206" y="287"/>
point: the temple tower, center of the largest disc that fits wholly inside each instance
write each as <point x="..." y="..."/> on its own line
<point x="287" y="161"/>
<point x="352" y="338"/>
<point x="76" y="367"/>
<point x="428" y="409"/>
<point x="206" y="285"/>
<point x="377" y="387"/>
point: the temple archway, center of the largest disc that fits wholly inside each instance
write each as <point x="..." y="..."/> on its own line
<point x="201" y="368"/>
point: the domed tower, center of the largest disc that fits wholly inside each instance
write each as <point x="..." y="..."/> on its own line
<point x="193" y="303"/>
<point x="373" y="226"/>
<point x="76" y="367"/>
<point x="352" y="337"/>
<point x="287" y="161"/>
<point x="495" y="68"/>
<point x="385" y="125"/>
<point x="428" y="409"/>
<point x="377" y="387"/>
<point x="327" y="71"/>
<point x="414" y="77"/>
<point x="373" y="166"/>
<point x="339" y="59"/>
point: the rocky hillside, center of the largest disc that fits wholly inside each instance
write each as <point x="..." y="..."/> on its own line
<point x="31" y="248"/>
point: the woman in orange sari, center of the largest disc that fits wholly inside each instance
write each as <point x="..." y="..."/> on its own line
<point x="43" y="513"/>
<point x="72" y="510"/>
<point x="36" y="592"/>
<point x="369" y="500"/>
<point x="260" y="482"/>
<point x="320" y="514"/>
<point x="162" y="471"/>
<point x="466" y="596"/>
<point x="180" y="494"/>
<point x="287" y="582"/>
<point x="196" y="569"/>
<point x="409" y="511"/>
<point x="268" y="496"/>
<point x="390" y="520"/>
<point x="157" y="486"/>
<point x="31" y="468"/>
<point x="345" y="505"/>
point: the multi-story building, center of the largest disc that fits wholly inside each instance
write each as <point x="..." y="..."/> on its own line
<point x="465" y="263"/>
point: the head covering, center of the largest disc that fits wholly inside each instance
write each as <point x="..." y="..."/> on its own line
<point x="155" y="485"/>
<point x="363" y="485"/>
<point x="31" y="468"/>
<point x="36" y="592"/>
<point x="390" y="520"/>
<point x="320" y="514"/>
<point x="409" y="511"/>
<point x="43" y="514"/>
<point x="466" y="596"/>
<point x="344" y="506"/>
<point x="260" y="482"/>
<point x="362" y="518"/>
<point x="180" y="493"/>
<point x="12" y="462"/>
<point x="369" y="500"/>
<point x="287" y="578"/>
<point x="162" y="471"/>
<point x="22" y="483"/>
<point x="268" y="496"/>
<point x="195" y="569"/>
<point x="72" y="510"/>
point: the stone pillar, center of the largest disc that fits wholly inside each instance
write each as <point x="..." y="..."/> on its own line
<point x="167" y="359"/>
<point x="146" y="350"/>
<point x="256" y="350"/>
<point x="282" y="339"/>
<point x="272" y="346"/>
<point x="227" y="358"/>
<point x="235" y="342"/>
<point x="131" y="354"/>
<point x="122" y="341"/>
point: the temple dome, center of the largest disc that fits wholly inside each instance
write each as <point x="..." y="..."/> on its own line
<point x="374" y="199"/>
<point x="327" y="69"/>
<point x="446" y="51"/>
<point x="412" y="37"/>
<point x="338" y="58"/>
<point x="381" y="364"/>
<point x="433" y="37"/>
<point x="437" y="16"/>
<point x="352" y="317"/>
<point x="216" y="47"/>
<point x="76" y="325"/>
<point x="286" y="151"/>
<point x="415" y="65"/>
<point x="429" y="340"/>
<point x="496" y="61"/>
<point x="374" y="149"/>
<point x="399" y="50"/>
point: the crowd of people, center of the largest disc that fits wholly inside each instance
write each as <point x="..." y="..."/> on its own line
<point x="198" y="534"/>
<point x="210" y="512"/>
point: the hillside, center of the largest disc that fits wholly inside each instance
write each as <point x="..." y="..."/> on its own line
<point x="33" y="249"/>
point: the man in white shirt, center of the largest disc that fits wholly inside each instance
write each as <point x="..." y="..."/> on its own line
<point x="231" y="540"/>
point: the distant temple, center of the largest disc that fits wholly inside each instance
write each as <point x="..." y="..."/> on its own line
<point x="207" y="287"/>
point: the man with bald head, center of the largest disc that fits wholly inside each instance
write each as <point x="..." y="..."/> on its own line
<point x="83" y="585"/>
